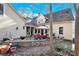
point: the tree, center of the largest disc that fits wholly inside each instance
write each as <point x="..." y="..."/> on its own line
<point x="76" y="31"/>
<point x="51" y="31"/>
<point x="25" y="12"/>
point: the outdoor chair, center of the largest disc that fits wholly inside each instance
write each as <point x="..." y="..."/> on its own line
<point x="13" y="50"/>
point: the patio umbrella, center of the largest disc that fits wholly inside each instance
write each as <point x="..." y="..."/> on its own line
<point x="42" y="27"/>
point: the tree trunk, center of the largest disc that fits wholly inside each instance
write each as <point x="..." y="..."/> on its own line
<point x="76" y="32"/>
<point x="51" y="31"/>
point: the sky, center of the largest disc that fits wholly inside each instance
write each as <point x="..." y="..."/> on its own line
<point x="41" y="7"/>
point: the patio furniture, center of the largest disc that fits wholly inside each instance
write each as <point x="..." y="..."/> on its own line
<point x="13" y="49"/>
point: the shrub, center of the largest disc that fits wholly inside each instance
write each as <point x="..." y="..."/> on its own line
<point x="5" y="39"/>
<point x="28" y="34"/>
<point x="22" y="37"/>
<point x="44" y="36"/>
<point x="59" y="47"/>
<point x="38" y="36"/>
<point x="35" y="36"/>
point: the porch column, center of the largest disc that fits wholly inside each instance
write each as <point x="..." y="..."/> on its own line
<point x="33" y="30"/>
<point x="40" y="31"/>
<point x="30" y="30"/>
<point x="44" y="31"/>
<point x="37" y="31"/>
<point x="47" y="31"/>
<point x="26" y="30"/>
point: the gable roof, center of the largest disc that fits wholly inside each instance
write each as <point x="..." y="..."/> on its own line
<point x="63" y="15"/>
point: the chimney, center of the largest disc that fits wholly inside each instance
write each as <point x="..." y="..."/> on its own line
<point x="39" y="14"/>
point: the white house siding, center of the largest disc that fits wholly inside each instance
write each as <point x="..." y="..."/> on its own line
<point x="11" y="31"/>
<point x="73" y="29"/>
<point x="41" y="19"/>
<point x="67" y="29"/>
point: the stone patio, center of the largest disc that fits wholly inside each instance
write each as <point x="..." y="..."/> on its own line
<point x="32" y="51"/>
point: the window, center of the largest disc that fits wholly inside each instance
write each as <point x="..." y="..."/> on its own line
<point x="60" y="30"/>
<point x="1" y="9"/>
<point x="46" y="31"/>
<point x="28" y="28"/>
<point x="62" y="16"/>
<point x="35" y="30"/>
<point x="41" y="20"/>
<point x="16" y="28"/>
<point x="42" y="32"/>
<point x="67" y="12"/>
<point x="38" y="21"/>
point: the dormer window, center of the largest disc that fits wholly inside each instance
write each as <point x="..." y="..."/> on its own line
<point x="67" y="12"/>
<point x="41" y="19"/>
<point x="39" y="22"/>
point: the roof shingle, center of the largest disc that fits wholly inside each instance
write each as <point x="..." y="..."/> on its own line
<point x="63" y="15"/>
